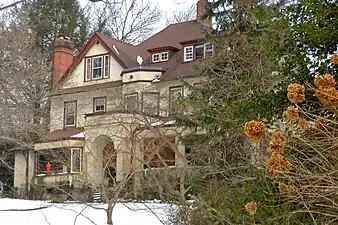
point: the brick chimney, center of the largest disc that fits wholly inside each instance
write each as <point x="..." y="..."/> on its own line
<point x="201" y="4"/>
<point x="63" y="57"/>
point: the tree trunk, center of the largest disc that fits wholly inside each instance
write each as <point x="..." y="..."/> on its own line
<point x="110" y="212"/>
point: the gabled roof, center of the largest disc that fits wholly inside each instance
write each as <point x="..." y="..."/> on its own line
<point x="172" y="36"/>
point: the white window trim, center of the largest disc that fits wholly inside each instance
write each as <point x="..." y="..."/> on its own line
<point x="163" y="53"/>
<point x="104" y="104"/>
<point x="159" y="57"/>
<point x="102" y="65"/>
<point x="71" y="159"/>
<point x="186" y="59"/>
<point x="205" y="49"/>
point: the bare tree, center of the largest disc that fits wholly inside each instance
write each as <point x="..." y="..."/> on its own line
<point x="182" y="15"/>
<point x="130" y="21"/>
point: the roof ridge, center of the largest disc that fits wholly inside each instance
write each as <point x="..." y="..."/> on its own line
<point x="170" y="25"/>
<point x="115" y="39"/>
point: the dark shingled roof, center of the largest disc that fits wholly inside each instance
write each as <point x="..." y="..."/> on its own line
<point x="64" y="134"/>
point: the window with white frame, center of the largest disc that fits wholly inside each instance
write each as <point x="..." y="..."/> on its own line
<point x="70" y="114"/>
<point x="160" y="57"/>
<point x="100" y="104"/>
<point x="208" y="49"/>
<point x="97" y="67"/>
<point x="188" y="53"/>
<point x="156" y="57"/>
<point x="199" y="52"/>
<point x="164" y="56"/>
<point x="76" y="160"/>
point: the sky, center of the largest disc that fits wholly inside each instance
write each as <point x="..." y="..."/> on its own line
<point x="167" y="7"/>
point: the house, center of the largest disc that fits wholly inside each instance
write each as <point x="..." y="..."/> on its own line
<point x="105" y="102"/>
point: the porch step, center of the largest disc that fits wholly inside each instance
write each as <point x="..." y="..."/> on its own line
<point x="97" y="196"/>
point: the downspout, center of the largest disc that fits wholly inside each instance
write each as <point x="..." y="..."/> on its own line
<point x="27" y="172"/>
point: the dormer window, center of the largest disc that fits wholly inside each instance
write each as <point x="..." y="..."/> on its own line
<point x="200" y="51"/>
<point x="97" y="67"/>
<point x="160" y="57"/>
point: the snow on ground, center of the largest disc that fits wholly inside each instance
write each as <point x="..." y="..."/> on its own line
<point x="80" y="214"/>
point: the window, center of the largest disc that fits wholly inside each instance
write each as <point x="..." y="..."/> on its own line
<point x="158" y="152"/>
<point x="76" y="160"/>
<point x="208" y="49"/>
<point x="70" y="114"/>
<point x="199" y="52"/>
<point x="175" y="94"/>
<point x="150" y="103"/>
<point x="131" y="102"/>
<point x="160" y="57"/>
<point x="100" y="104"/>
<point x="188" y="53"/>
<point x="156" y="57"/>
<point x="88" y="69"/>
<point x="106" y="66"/>
<point x="164" y="56"/>
<point x="97" y="67"/>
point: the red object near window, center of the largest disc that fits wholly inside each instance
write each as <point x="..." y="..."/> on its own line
<point x="48" y="168"/>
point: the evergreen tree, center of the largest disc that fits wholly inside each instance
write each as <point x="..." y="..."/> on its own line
<point x="50" y="18"/>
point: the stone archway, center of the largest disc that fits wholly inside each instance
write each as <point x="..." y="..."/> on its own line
<point x="103" y="162"/>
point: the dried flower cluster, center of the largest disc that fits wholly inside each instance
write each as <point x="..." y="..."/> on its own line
<point x="304" y="124"/>
<point x="328" y="96"/>
<point x="251" y="208"/>
<point x="296" y="93"/>
<point x="291" y="114"/>
<point x="286" y="190"/>
<point x="325" y="81"/>
<point x="277" y="142"/>
<point x="335" y="59"/>
<point x="277" y="165"/>
<point x="255" y="130"/>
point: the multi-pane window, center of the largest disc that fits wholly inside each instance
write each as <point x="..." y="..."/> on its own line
<point x="131" y="102"/>
<point x="97" y="67"/>
<point x="76" y="160"/>
<point x="156" y="57"/>
<point x="160" y="57"/>
<point x="188" y="53"/>
<point x="100" y="104"/>
<point x="158" y="152"/>
<point x="164" y="56"/>
<point x="150" y="103"/>
<point x="70" y="114"/>
<point x="175" y="94"/>
<point x="200" y="51"/>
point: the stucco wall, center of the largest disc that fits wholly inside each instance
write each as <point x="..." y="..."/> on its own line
<point x="76" y="77"/>
<point x="84" y="105"/>
<point x="20" y="169"/>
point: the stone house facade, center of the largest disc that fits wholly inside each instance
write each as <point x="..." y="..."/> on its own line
<point x="105" y="105"/>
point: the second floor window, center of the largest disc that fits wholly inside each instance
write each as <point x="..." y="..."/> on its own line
<point x="150" y="103"/>
<point x="97" y="67"/>
<point x="175" y="94"/>
<point x="70" y="114"/>
<point x="131" y="101"/>
<point x="188" y="53"/>
<point x="100" y="104"/>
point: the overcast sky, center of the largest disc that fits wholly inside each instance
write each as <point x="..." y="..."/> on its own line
<point x="167" y="6"/>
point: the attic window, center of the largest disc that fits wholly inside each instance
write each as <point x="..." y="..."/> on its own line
<point x="200" y="51"/>
<point x="160" y="57"/>
<point x="97" y="67"/>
